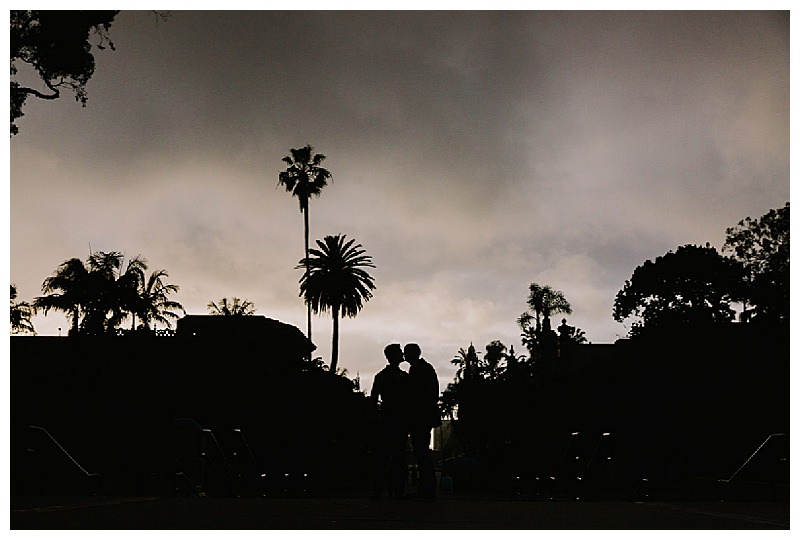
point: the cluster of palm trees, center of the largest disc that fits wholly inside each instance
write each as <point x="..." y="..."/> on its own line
<point x="497" y="362"/>
<point x="544" y="302"/>
<point x="500" y="366"/>
<point x="335" y="278"/>
<point x="102" y="292"/>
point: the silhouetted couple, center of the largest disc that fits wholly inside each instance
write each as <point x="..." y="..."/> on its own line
<point x="409" y="405"/>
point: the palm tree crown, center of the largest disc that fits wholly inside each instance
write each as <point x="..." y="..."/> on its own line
<point x="304" y="177"/>
<point x="336" y="281"/>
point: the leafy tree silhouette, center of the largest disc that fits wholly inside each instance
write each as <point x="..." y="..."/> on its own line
<point x="693" y="285"/>
<point x="762" y="246"/>
<point x="57" y="45"/>
<point x="336" y="280"/>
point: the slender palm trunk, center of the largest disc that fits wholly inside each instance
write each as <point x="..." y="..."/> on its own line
<point x="335" y="344"/>
<point x="308" y="304"/>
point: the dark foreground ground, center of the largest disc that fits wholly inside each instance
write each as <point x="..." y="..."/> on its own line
<point x="447" y="512"/>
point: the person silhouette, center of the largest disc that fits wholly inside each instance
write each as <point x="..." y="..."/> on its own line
<point x="424" y="416"/>
<point x="390" y="391"/>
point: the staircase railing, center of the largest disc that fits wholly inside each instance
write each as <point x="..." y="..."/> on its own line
<point x="249" y="473"/>
<point x="753" y="455"/>
<point x="775" y="477"/>
<point x="94" y="478"/>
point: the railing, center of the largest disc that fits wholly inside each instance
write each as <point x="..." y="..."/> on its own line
<point x="224" y="467"/>
<point x="771" y="481"/>
<point x="781" y="458"/>
<point x="94" y="478"/>
<point x="223" y="464"/>
<point x="248" y="472"/>
<point x="199" y="464"/>
<point x="214" y="460"/>
<point x="754" y="454"/>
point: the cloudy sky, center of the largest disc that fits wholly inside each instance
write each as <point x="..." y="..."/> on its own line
<point x="471" y="153"/>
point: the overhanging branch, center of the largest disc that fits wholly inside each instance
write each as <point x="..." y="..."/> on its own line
<point x="55" y="95"/>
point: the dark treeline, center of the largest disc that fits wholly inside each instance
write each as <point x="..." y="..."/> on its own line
<point x="678" y="404"/>
<point x="688" y="394"/>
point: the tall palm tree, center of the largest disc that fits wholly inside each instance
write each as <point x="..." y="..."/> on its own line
<point x="154" y="304"/>
<point x="304" y="178"/>
<point x="235" y="308"/>
<point x="21" y="313"/>
<point x="336" y="281"/>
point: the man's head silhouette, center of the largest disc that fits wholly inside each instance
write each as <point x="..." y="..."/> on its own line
<point x="393" y="353"/>
<point x="412" y="352"/>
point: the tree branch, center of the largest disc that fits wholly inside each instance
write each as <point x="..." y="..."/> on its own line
<point x="55" y="95"/>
